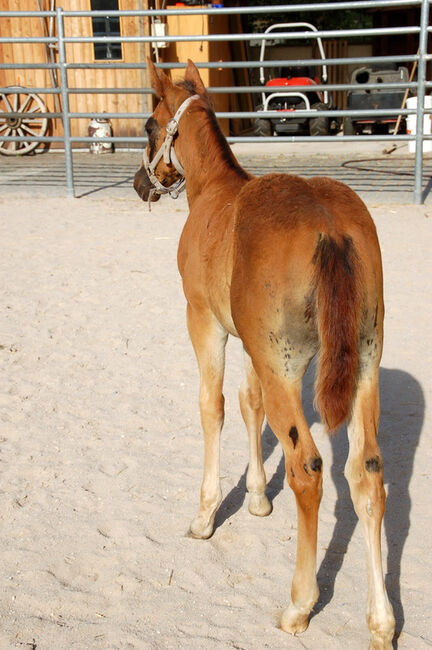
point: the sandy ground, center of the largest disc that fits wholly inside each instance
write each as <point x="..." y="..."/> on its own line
<point x="101" y="450"/>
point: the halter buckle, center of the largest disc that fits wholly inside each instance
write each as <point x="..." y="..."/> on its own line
<point x="172" y="127"/>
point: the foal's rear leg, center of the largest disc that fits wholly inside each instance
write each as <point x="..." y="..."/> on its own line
<point x="209" y="340"/>
<point x="251" y="406"/>
<point x="282" y="403"/>
<point x="364" y="474"/>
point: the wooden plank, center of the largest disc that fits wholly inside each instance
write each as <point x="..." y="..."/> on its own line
<point x="17" y="48"/>
<point x="6" y="49"/>
<point x="144" y="51"/>
<point x="79" y="53"/>
<point x="132" y="52"/>
<point x="50" y="76"/>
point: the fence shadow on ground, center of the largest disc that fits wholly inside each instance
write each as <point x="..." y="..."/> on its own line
<point x="112" y="175"/>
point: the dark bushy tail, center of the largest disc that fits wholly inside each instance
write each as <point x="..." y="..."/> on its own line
<point x="339" y="292"/>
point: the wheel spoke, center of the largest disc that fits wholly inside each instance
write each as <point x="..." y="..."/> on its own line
<point x="16" y="100"/>
<point x="27" y="101"/>
<point x="25" y="144"/>
<point x="28" y="129"/>
<point x="34" y="121"/>
<point x="28" y="117"/>
<point x="6" y="101"/>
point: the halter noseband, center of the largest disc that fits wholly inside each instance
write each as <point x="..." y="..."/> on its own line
<point x="167" y="152"/>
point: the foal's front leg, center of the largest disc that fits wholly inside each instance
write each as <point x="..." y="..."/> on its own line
<point x="209" y="340"/>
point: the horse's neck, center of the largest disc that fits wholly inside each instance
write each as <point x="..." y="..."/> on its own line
<point x="208" y="159"/>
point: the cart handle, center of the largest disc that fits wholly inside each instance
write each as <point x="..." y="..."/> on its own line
<point x="284" y="25"/>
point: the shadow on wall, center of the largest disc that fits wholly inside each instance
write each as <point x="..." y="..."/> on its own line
<point x="402" y="415"/>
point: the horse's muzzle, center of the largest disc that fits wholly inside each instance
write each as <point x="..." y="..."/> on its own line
<point x="143" y="185"/>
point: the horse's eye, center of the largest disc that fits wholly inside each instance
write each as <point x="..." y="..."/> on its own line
<point x="151" y="125"/>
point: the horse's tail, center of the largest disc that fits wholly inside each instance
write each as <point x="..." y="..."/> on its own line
<point x="339" y="290"/>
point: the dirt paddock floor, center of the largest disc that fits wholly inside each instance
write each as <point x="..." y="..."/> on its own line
<point x="101" y="448"/>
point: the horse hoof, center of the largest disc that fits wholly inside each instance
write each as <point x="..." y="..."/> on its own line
<point x="381" y="641"/>
<point x="382" y="629"/>
<point x="201" y="528"/>
<point x="259" y="505"/>
<point x="294" y="621"/>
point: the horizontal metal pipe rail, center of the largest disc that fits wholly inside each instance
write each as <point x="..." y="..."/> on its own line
<point x="232" y="139"/>
<point x="409" y="58"/>
<point x="63" y="66"/>
<point x="378" y="112"/>
<point x="225" y="90"/>
<point x="180" y="38"/>
<point x="267" y="9"/>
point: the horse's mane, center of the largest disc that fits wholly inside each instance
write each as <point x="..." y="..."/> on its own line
<point x="217" y="140"/>
<point x="188" y="85"/>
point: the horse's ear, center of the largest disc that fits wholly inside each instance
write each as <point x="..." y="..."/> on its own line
<point x="193" y="76"/>
<point x="159" y="80"/>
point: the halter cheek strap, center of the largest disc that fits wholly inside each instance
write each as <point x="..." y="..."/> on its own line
<point x="167" y="152"/>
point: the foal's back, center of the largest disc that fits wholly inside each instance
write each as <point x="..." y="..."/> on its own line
<point x="268" y="206"/>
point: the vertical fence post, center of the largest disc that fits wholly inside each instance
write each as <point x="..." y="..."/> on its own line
<point x="65" y="104"/>
<point x="421" y="78"/>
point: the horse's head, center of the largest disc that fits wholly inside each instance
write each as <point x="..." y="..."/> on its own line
<point x="162" y="171"/>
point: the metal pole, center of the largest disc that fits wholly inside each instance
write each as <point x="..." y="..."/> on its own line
<point x="421" y="77"/>
<point x="70" y="193"/>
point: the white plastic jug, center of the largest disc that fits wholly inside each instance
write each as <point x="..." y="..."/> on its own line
<point x="412" y="122"/>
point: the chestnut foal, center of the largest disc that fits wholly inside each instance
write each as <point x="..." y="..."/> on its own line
<point x="293" y="268"/>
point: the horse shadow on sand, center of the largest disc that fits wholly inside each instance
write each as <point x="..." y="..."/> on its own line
<point x="402" y="414"/>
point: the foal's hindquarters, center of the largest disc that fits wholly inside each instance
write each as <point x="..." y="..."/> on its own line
<point x="306" y="280"/>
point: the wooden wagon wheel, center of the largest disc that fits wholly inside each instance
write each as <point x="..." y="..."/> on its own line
<point x="32" y="122"/>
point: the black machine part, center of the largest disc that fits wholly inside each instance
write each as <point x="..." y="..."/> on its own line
<point x="373" y="98"/>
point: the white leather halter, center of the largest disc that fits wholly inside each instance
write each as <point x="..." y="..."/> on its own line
<point x="167" y="152"/>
